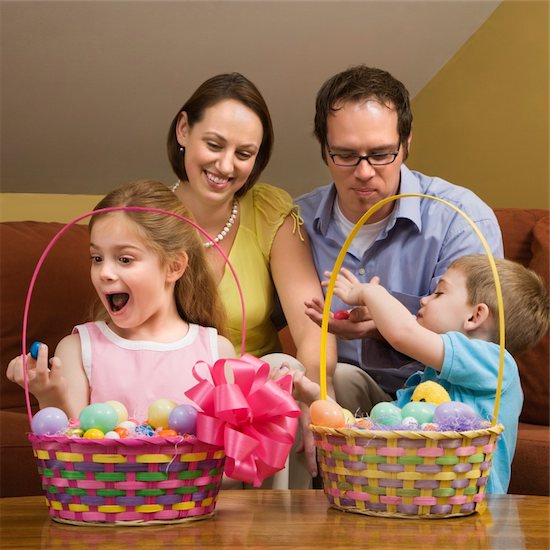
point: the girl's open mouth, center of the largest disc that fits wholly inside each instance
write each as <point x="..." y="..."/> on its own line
<point x="118" y="301"/>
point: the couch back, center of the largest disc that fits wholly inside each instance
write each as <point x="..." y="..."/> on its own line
<point x="525" y="233"/>
<point x="63" y="294"/>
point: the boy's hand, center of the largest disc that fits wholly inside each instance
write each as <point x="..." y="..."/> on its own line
<point x="43" y="382"/>
<point x="348" y="287"/>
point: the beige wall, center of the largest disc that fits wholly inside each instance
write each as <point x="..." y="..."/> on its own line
<point x="482" y="121"/>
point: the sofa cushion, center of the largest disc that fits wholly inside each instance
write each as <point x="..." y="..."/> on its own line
<point x="525" y="235"/>
<point x="530" y="464"/>
<point x="64" y="279"/>
<point x="534" y="363"/>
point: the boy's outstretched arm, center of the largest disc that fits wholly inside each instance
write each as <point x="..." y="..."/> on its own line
<point x="392" y="319"/>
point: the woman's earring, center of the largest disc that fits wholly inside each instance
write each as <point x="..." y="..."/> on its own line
<point x="182" y="150"/>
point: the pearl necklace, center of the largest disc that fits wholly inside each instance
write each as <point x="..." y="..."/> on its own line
<point x="232" y="217"/>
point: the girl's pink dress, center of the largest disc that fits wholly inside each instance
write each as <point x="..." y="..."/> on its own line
<point x="136" y="373"/>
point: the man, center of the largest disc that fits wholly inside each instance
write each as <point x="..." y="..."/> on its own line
<point x="363" y="123"/>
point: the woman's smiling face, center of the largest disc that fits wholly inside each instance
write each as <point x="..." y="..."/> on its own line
<point x="221" y="148"/>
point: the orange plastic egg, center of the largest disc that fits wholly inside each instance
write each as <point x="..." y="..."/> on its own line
<point x="327" y="413"/>
<point x="121" y="431"/>
<point x="167" y="433"/>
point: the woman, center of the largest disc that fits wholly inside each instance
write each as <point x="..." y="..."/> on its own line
<point x="219" y="142"/>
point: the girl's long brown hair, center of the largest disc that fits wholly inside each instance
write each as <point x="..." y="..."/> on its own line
<point x="196" y="293"/>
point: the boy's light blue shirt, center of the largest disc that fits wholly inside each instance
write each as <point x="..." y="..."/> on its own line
<point x="421" y="239"/>
<point x="470" y="374"/>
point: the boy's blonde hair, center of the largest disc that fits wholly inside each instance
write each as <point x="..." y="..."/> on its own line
<point x="196" y="293"/>
<point x="524" y="294"/>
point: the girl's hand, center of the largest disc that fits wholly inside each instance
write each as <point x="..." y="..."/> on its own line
<point x="47" y="384"/>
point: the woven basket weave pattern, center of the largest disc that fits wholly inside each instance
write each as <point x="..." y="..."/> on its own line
<point x="128" y="481"/>
<point x="405" y="474"/>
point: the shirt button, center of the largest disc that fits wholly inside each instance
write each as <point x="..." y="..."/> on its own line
<point x="362" y="271"/>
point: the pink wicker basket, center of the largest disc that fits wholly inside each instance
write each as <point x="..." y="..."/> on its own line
<point x="132" y="481"/>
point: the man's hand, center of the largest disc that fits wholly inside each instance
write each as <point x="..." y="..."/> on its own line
<point x="357" y="326"/>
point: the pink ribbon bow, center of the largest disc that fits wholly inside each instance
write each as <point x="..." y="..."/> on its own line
<point x="254" y="419"/>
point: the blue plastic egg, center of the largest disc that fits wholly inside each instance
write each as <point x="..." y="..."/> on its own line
<point x="35" y="346"/>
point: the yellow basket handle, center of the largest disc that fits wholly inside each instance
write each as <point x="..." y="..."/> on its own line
<point x="340" y="260"/>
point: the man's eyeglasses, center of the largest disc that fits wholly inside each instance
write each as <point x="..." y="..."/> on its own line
<point x="375" y="159"/>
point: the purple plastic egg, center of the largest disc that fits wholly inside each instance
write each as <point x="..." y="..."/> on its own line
<point x="49" y="421"/>
<point x="183" y="419"/>
<point x="454" y="414"/>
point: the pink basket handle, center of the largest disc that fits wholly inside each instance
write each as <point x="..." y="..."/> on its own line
<point x="64" y="229"/>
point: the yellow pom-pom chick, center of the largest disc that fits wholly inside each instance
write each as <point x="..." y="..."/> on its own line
<point x="430" y="392"/>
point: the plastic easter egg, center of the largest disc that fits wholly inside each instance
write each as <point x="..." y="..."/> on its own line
<point x="144" y="430"/>
<point x="327" y="413"/>
<point x="341" y="314"/>
<point x="454" y="415"/>
<point x="349" y="418"/>
<point x="419" y="410"/>
<point x="386" y="413"/>
<point x="409" y="423"/>
<point x="35" y="346"/>
<point x="159" y="411"/>
<point x="129" y="425"/>
<point x="167" y="433"/>
<point x="112" y="435"/>
<point x="430" y="427"/>
<point x="122" y="432"/>
<point x="98" y="415"/>
<point x="363" y="424"/>
<point x="183" y="419"/>
<point x="74" y="432"/>
<point x="49" y="421"/>
<point x="93" y="433"/>
<point x="121" y="411"/>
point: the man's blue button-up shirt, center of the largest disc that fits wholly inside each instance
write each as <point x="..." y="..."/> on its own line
<point x="422" y="237"/>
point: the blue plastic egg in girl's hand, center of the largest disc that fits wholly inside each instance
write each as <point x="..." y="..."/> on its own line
<point x="100" y="416"/>
<point x="456" y="416"/>
<point x="183" y="419"/>
<point x="35" y="346"/>
<point x="386" y="413"/>
<point x="420" y="410"/>
<point x="49" y="421"/>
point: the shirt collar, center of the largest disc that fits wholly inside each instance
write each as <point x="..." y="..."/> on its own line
<point x="408" y="208"/>
<point x="323" y="214"/>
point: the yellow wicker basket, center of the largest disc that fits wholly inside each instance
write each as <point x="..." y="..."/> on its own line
<point x="406" y="474"/>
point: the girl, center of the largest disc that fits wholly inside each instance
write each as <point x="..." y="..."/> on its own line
<point x="158" y="312"/>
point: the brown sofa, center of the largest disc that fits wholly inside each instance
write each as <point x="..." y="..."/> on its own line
<point x="63" y="294"/>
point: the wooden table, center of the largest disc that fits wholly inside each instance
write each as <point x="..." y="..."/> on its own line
<point x="287" y="519"/>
